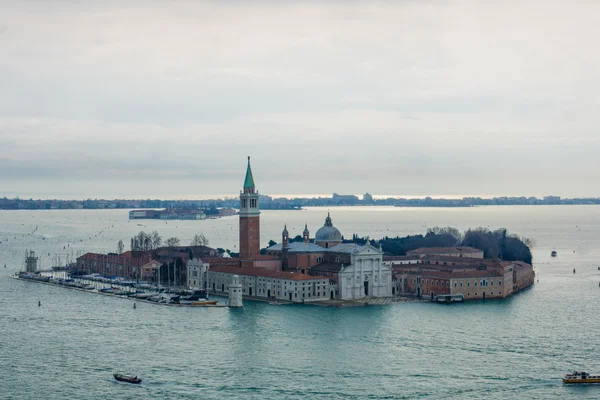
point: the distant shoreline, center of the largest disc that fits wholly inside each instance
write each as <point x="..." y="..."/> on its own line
<point x="270" y="203"/>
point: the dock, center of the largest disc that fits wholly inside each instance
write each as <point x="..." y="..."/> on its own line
<point x="134" y="299"/>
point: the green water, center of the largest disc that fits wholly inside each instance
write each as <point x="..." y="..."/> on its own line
<point x="515" y="348"/>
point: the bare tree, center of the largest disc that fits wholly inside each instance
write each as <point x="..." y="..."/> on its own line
<point x="172" y="242"/>
<point x="156" y="240"/>
<point x="199" y="240"/>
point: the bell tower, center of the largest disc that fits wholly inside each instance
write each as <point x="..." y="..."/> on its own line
<point x="249" y="218"/>
<point x="285" y="243"/>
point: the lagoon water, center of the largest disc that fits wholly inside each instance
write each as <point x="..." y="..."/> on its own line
<point x="514" y="348"/>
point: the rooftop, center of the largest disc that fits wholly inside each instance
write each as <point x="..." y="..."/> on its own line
<point x="262" y="272"/>
<point x="457" y="249"/>
<point x="299" y="247"/>
<point x="327" y="267"/>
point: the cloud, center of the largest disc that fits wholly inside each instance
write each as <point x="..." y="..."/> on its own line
<point x="326" y="96"/>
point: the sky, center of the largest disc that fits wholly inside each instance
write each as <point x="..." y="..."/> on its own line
<point x="166" y="99"/>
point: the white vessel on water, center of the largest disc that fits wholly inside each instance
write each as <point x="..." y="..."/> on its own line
<point x="581" y="377"/>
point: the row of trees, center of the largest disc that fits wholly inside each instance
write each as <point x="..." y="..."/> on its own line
<point x="150" y="241"/>
<point x="495" y="244"/>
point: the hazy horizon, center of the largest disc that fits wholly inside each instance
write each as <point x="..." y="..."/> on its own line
<point x="275" y="196"/>
<point x="166" y="99"/>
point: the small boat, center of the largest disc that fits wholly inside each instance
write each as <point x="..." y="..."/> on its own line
<point x="554" y="254"/>
<point x="127" y="378"/>
<point x="204" y="303"/>
<point x="581" y="377"/>
<point x="196" y="297"/>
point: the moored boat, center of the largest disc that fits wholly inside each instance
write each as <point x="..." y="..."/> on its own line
<point x="581" y="377"/>
<point x="204" y="303"/>
<point x="127" y="378"/>
<point x="198" y="296"/>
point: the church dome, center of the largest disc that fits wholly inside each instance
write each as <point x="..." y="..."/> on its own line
<point x="328" y="232"/>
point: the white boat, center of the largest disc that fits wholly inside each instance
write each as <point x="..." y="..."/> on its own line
<point x="581" y="377"/>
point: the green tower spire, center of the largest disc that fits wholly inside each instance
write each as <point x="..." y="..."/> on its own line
<point x="249" y="181"/>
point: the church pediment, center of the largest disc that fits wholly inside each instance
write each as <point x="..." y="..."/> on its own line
<point x="368" y="249"/>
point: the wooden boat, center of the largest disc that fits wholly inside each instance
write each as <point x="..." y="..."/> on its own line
<point x="581" y="377"/>
<point x="127" y="378"/>
<point x="204" y="303"/>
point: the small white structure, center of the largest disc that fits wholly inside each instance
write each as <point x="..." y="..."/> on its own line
<point x="31" y="261"/>
<point x="235" y="292"/>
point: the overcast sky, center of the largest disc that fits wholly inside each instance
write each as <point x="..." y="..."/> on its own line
<point x="165" y="99"/>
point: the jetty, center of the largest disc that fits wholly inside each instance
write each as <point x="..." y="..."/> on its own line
<point x="115" y="290"/>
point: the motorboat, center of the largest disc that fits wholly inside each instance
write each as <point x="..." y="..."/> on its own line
<point x="581" y="377"/>
<point x="204" y="303"/>
<point x="196" y="297"/>
<point x="127" y="378"/>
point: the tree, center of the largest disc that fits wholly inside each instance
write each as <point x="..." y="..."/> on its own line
<point x="156" y="240"/>
<point x="172" y="242"/>
<point x="272" y="243"/>
<point x="120" y="247"/>
<point x="199" y="240"/>
<point x="453" y="236"/>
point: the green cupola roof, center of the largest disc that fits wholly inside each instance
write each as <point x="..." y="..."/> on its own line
<point x="249" y="181"/>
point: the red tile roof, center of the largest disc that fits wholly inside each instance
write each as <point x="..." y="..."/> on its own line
<point x="450" y="274"/>
<point x="399" y="258"/>
<point x="254" y="271"/>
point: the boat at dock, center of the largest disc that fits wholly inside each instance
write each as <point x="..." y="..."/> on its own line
<point x="449" y="298"/>
<point x="198" y="296"/>
<point x="203" y="303"/>
<point x="143" y="295"/>
<point x="581" y="377"/>
<point x="127" y="378"/>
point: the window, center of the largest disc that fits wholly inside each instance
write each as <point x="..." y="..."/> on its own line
<point x="492" y="293"/>
<point x="491" y="283"/>
<point x="468" y="284"/>
<point x="499" y="283"/>
<point x="454" y="284"/>
<point x="461" y="284"/>
<point x="475" y="283"/>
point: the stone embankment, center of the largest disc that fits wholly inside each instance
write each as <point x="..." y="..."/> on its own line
<point x="367" y="301"/>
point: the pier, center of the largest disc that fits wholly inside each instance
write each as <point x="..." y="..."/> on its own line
<point x="122" y="293"/>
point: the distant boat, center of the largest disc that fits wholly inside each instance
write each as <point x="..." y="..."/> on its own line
<point x="581" y="377"/>
<point x="127" y="378"/>
<point x="554" y="254"/>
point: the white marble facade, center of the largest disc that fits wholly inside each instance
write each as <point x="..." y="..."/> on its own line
<point x="366" y="276"/>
